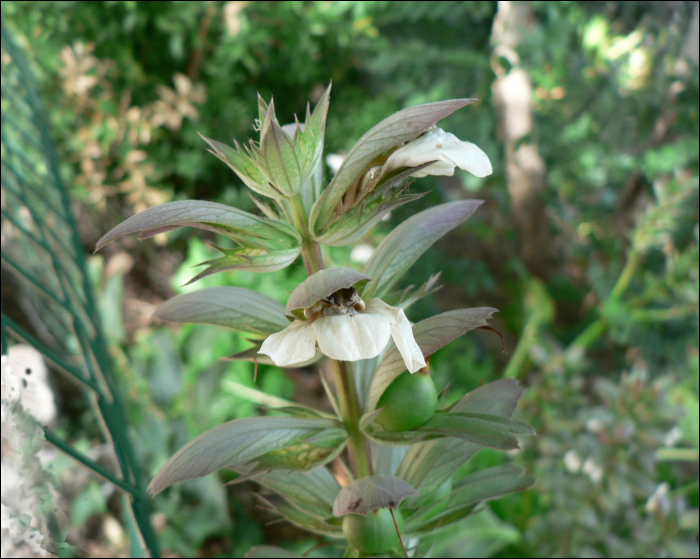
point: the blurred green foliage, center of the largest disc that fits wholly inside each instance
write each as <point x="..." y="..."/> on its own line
<point x="608" y="344"/>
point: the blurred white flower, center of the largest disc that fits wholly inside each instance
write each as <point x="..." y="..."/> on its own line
<point x="572" y="461"/>
<point x="362" y="253"/>
<point x="334" y="161"/>
<point x="659" y="501"/>
<point x="346" y="334"/>
<point x="593" y="470"/>
<point x="445" y="149"/>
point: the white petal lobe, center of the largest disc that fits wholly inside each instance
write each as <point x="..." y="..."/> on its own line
<point x="446" y="149"/>
<point x="295" y="344"/>
<point x="406" y="343"/>
<point x="351" y="338"/>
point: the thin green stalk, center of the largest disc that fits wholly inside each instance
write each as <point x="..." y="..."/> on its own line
<point x="595" y="330"/>
<point x="351" y="413"/>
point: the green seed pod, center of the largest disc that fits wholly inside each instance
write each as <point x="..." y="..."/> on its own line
<point x="374" y="533"/>
<point x="408" y="402"/>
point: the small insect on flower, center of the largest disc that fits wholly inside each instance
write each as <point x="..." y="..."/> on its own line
<point x="345" y="327"/>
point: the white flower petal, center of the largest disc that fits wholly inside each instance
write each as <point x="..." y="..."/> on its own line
<point x="295" y="344"/>
<point x="351" y="338"/>
<point x="402" y="333"/>
<point x="448" y="150"/>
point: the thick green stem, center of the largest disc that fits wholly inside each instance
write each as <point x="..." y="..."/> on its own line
<point x="351" y="413"/>
<point x="310" y="249"/>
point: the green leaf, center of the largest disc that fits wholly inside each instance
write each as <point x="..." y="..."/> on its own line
<point x="482" y="486"/>
<point x="236" y="442"/>
<point x="303" y="456"/>
<point x="247" y="169"/>
<point x="313" y="491"/>
<point x="431" y="334"/>
<point x="238" y="308"/>
<point x="323" y="284"/>
<point x="305" y="520"/>
<point x="391" y="132"/>
<point x="252" y="259"/>
<point x="405" y="244"/>
<point x="280" y="157"/>
<point x="428" y="465"/>
<point x="484" y="429"/>
<point x="357" y="222"/>
<point x="371" y="493"/>
<point x="405" y="297"/>
<point x="311" y="139"/>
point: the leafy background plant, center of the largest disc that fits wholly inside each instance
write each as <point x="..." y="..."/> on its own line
<point x="603" y="330"/>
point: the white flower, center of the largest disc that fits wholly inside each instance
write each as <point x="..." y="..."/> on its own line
<point x="349" y="335"/>
<point x="446" y="150"/>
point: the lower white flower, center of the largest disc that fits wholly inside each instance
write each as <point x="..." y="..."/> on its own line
<point x="445" y="149"/>
<point x="346" y="334"/>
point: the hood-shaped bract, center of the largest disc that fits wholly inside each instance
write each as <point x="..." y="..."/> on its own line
<point x="323" y="284"/>
<point x="350" y="336"/>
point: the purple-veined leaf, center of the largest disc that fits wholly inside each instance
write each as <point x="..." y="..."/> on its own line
<point x="236" y="442"/>
<point x="431" y="334"/>
<point x="391" y="132"/>
<point x="428" y="465"/>
<point x="238" y="308"/>
<point x="405" y="244"/>
<point x="371" y="493"/>
<point x="243" y="227"/>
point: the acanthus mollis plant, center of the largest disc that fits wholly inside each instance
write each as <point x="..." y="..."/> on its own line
<point x="403" y="446"/>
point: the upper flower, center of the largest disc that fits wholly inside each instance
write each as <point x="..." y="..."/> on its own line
<point x="445" y="149"/>
<point x="345" y="327"/>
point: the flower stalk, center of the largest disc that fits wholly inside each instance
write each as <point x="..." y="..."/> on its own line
<point x="351" y="413"/>
<point x="347" y="394"/>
